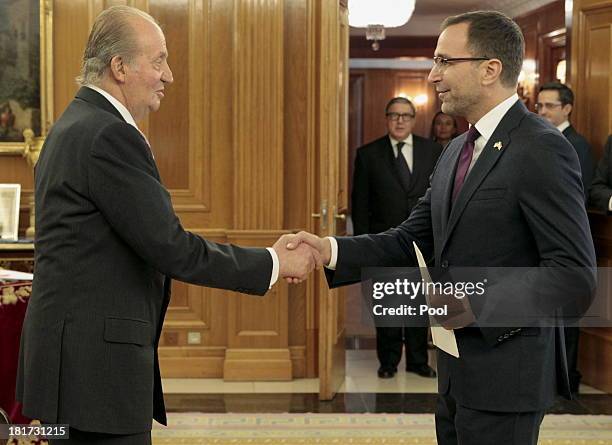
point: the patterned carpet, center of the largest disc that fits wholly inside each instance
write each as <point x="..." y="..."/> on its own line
<point x="356" y="429"/>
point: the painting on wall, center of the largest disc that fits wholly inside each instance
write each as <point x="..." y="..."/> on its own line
<point x="24" y="63"/>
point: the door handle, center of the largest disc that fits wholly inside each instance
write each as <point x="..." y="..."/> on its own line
<point x="322" y="215"/>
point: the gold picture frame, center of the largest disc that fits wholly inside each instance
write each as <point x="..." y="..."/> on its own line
<point x="30" y="142"/>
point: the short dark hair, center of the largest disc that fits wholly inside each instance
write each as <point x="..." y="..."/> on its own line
<point x="494" y="35"/>
<point x="400" y="100"/>
<point x="566" y="95"/>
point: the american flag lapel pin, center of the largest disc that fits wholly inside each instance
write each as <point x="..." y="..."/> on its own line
<point x="498" y="145"/>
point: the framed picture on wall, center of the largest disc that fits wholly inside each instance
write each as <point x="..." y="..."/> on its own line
<point x="25" y="74"/>
<point x="9" y="211"/>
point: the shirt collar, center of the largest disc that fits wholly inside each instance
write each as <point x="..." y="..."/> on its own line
<point x="489" y="122"/>
<point x="563" y="126"/>
<point x="118" y="105"/>
<point x="407" y="141"/>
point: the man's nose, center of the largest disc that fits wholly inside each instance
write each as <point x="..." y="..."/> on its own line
<point x="167" y="75"/>
<point x="434" y="75"/>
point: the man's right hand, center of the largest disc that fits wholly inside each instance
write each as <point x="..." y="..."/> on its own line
<point x="322" y="245"/>
<point x="297" y="263"/>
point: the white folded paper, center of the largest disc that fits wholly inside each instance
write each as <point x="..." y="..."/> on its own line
<point x="442" y="338"/>
<point x="6" y="274"/>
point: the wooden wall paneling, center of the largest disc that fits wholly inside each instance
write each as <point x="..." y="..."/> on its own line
<point x="258" y="112"/>
<point x="591" y="71"/>
<point x="591" y="76"/>
<point x="595" y="348"/>
<point x="258" y="327"/>
<point x="538" y="25"/>
<point x="299" y="152"/>
<point x="551" y="49"/>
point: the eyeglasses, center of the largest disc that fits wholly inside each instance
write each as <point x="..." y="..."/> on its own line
<point x="396" y="116"/>
<point x="442" y="63"/>
<point x="547" y="105"/>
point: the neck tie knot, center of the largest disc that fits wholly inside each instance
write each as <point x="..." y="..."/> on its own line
<point x="399" y="146"/>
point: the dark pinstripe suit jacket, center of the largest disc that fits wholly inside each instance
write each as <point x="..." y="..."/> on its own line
<point x="107" y="243"/>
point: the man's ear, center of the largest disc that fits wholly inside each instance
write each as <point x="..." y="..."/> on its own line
<point x="567" y="109"/>
<point x="491" y="71"/>
<point x="117" y="69"/>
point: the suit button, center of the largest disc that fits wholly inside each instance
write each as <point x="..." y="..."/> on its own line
<point x="444" y="264"/>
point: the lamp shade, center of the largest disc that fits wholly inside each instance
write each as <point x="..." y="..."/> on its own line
<point x="388" y="13"/>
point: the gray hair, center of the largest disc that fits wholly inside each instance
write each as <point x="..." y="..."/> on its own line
<point x="112" y="35"/>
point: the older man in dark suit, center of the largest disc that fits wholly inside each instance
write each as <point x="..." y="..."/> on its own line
<point x="391" y="174"/>
<point x="506" y="194"/>
<point x="107" y="244"/>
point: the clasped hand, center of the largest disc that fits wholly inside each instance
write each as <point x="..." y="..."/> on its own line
<point x="299" y="254"/>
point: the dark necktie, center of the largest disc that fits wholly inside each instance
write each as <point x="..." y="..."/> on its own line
<point x="465" y="158"/>
<point x="402" y="167"/>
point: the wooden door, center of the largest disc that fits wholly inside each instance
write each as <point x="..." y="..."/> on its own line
<point x="331" y="184"/>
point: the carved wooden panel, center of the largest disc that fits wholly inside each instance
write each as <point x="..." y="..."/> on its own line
<point x="258" y="114"/>
<point x="592" y="71"/>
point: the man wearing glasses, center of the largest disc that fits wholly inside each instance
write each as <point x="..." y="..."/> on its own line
<point x="555" y="103"/>
<point x="391" y="174"/>
<point x="508" y="194"/>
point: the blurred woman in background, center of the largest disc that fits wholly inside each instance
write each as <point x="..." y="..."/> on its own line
<point x="443" y="128"/>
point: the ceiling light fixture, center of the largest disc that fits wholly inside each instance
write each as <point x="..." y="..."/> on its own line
<point x="378" y="15"/>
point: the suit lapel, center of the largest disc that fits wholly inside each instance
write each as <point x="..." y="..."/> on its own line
<point x="486" y="161"/>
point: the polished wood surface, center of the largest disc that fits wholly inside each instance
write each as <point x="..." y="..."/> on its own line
<point x="544" y="31"/>
<point x="595" y="347"/>
<point x="592" y="71"/>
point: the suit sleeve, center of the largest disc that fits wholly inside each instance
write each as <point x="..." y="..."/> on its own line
<point x="123" y="185"/>
<point x="601" y="190"/>
<point x="392" y="248"/>
<point x="360" y="198"/>
<point x="586" y="165"/>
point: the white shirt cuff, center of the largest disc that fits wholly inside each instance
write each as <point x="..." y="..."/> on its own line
<point x="610" y="204"/>
<point x="275" y="266"/>
<point x="334" y="253"/>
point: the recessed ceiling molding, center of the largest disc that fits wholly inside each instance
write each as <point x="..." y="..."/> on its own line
<point x="392" y="64"/>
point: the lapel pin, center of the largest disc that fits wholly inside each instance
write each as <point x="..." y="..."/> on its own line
<point x="498" y="145"/>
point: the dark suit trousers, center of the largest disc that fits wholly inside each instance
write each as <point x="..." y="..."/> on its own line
<point x="572" y="333"/>
<point x="389" y="342"/>
<point x="460" y="425"/>
<point x="78" y="437"/>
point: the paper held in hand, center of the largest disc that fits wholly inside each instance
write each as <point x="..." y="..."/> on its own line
<point x="442" y="338"/>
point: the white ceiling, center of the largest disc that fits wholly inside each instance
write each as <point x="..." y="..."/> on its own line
<point x="429" y="14"/>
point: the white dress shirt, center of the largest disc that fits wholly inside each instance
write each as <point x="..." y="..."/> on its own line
<point x="563" y="126"/>
<point x="407" y="149"/>
<point x="485" y="126"/>
<point x="127" y="116"/>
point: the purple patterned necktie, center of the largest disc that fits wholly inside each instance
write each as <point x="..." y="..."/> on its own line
<point x="465" y="158"/>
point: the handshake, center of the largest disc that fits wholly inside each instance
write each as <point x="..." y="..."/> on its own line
<point x="299" y="254"/>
